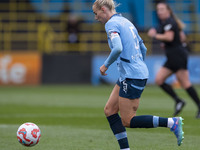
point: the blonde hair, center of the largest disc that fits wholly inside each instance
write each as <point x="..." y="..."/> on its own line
<point x="181" y="25"/>
<point x="110" y="4"/>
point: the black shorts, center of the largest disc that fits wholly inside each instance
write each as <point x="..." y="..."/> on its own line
<point x="131" y="88"/>
<point x="176" y="61"/>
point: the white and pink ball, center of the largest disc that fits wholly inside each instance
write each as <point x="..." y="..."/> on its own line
<point x="28" y="134"/>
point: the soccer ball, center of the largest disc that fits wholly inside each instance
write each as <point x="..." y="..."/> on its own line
<point x="28" y="134"/>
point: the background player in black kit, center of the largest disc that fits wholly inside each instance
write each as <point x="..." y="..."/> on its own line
<point x="171" y="34"/>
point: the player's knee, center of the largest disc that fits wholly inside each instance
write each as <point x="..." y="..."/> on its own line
<point x="108" y="111"/>
<point x="158" y="81"/>
<point x="187" y="85"/>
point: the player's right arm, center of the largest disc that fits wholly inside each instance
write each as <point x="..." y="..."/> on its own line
<point x="116" y="50"/>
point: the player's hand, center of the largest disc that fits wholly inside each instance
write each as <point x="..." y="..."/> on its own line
<point x="152" y="33"/>
<point x="103" y="70"/>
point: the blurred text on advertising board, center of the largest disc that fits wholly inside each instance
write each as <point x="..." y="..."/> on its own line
<point x="20" y="68"/>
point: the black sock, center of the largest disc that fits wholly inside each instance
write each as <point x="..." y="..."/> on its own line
<point x="163" y="122"/>
<point x="193" y="94"/>
<point x="148" y="121"/>
<point x="168" y="89"/>
<point x="118" y="130"/>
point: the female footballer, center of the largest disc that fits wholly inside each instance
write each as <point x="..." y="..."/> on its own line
<point x="171" y="34"/>
<point x="128" y="49"/>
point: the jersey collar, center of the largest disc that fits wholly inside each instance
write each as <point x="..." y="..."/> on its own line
<point x="116" y="15"/>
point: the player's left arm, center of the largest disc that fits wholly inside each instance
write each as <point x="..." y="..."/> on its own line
<point x="115" y="52"/>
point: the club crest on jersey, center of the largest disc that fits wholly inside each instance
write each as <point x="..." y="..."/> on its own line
<point x="113" y="35"/>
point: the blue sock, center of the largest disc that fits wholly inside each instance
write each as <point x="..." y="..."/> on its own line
<point x="148" y="121"/>
<point x="118" y="130"/>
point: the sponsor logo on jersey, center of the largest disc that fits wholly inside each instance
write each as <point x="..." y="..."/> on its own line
<point x="167" y="27"/>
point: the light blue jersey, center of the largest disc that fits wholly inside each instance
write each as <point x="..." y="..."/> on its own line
<point x="131" y="59"/>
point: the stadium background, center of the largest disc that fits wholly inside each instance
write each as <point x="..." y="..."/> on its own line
<point x="59" y="42"/>
<point x="50" y="53"/>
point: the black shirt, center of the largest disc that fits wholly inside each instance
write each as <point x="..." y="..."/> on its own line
<point x="170" y="25"/>
<point x="175" y="52"/>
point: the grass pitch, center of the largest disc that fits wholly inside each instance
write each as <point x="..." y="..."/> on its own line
<point x="71" y="118"/>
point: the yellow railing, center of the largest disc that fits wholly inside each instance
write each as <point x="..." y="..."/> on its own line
<point x="21" y="30"/>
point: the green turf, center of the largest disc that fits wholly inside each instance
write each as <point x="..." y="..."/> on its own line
<point x="71" y="118"/>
